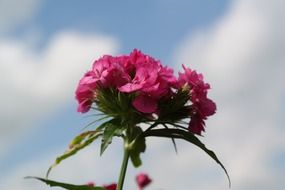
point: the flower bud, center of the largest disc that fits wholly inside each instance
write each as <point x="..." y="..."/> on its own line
<point x="143" y="180"/>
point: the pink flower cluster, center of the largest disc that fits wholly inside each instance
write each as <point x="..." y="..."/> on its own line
<point x="135" y="73"/>
<point x="151" y="83"/>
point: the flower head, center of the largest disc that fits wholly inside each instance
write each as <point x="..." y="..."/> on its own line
<point x="145" y="85"/>
<point x="137" y="73"/>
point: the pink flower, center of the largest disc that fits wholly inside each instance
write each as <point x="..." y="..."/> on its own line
<point x="112" y="186"/>
<point x="206" y="107"/>
<point x="145" y="104"/>
<point x="143" y="180"/>
<point x="145" y="70"/>
<point x="90" y="184"/>
<point x="85" y="92"/>
<point x="109" y="72"/>
<point x="197" y="124"/>
<point x="202" y="106"/>
<point x="137" y="73"/>
<point x="106" y="72"/>
<point x="151" y="81"/>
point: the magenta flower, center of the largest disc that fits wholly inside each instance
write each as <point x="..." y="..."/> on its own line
<point x="110" y="72"/>
<point x="137" y="73"/>
<point x="145" y="104"/>
<point x="90" y="184"/>
<point x="85" y="92"/>
<point x="151" y="81"/>
<point x="112" y="186"/>
<point x="143" y="180"/>
<point x="202" y="107"/>
<point x="106" y="72"/>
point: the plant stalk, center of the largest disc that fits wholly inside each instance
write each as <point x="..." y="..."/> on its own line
<point x="123" y="169"/>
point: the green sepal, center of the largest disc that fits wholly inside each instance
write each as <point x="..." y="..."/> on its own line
<point x="112" y="128"/>
<point x="175" y="108"/>
<point x="188" y="136"/>
<point x="66" y="185"/>
<point x="116" y="104"/>
<point x="137" y="146"/>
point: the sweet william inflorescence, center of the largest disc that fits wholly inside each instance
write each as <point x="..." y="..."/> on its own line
<point x="146" y="86"/>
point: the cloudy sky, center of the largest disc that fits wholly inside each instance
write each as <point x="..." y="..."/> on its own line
<point x="46" y="46"/>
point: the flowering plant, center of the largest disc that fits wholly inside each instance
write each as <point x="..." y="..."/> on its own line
<point x="131" y="90"/>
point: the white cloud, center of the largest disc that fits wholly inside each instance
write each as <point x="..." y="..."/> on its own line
<point x="85" y="167"/>
<point x="14" y="13"/>
<point x="241" y="56"/>
<point x="35" y="83"/>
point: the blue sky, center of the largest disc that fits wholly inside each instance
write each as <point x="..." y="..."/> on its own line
<point x="153" y="26"/>
<point x="46" y="46"/>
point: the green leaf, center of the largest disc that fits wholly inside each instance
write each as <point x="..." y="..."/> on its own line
<point x="137" y="146"/>
<point x="172" y="139"/>
<point x="174" y="145"/>
<point x="78" y="143"/>
<point x="112" y="128"/>
<point x="188" y="136"/>
<point x="66" y="185"/>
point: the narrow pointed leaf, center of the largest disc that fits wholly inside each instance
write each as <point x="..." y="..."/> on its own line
<point x="95" y="121"/>
<point x="174" y="145"/>
<point x="188" y="136"/>
<point x="78" y="143"/>
<point x="112" y="129"/>
<point x="66" y="185"/>
<point x="173" y="141"/>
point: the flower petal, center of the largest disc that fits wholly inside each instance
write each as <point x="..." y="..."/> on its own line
<point x="145" y="104"/>
<point x="196" y="124"/>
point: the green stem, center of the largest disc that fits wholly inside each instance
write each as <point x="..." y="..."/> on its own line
<point x="123" y="169"/>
